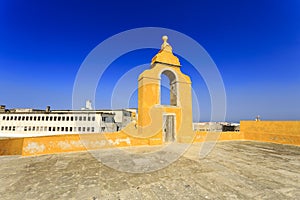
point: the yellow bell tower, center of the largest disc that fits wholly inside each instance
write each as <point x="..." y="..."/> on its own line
<point x="172" y="122"/>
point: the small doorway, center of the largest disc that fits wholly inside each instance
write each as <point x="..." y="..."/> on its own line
<point x="169" y="127"/>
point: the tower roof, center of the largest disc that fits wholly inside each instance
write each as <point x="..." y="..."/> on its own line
<point x="165" y="55"/>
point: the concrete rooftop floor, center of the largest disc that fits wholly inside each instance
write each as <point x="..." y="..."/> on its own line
<point x="233" y="170"/>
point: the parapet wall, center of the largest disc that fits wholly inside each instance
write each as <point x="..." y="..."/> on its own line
<point x="281" y="132"/>
<point x="72" y="143"/>
<point x="11" y="146"/>
<point x="202" y="136"/>
<point x="83" y="142"/>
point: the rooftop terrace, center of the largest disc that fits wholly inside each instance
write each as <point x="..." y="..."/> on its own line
<point x="233" y="170"/>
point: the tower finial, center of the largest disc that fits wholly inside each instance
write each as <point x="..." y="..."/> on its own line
<point x="165" y="38"/>
<point x="165" y="55"/>
<point x="166" y="46"/>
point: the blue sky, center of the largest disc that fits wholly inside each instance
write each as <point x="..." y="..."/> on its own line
<point x="255" y="45"/>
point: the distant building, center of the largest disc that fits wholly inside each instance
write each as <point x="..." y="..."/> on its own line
<point x="216" y="126"/>
<point x="2" y="108"/>
<point x="121" y="117"/>
<point x="22" y="122"/>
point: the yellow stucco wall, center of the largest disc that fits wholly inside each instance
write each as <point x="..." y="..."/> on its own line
<point x="201" y="136"/>
<point x="150" y="110"/>
<point x="282" y="132"/>
<point x="72" y="143"/>
<point x="69" y="143"/>
<point x="51" y="144"/>
<point x="11" y="146"/>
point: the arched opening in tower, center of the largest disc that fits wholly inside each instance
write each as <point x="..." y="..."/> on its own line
<point x="168" y="88"/>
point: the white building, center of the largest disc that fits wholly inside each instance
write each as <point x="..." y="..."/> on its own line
<point x="121" y="117"/>
<point x="33" y="122"/>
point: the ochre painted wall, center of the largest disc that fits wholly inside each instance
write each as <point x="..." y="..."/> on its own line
<point x="11" y="146"/>
<point x="72" y="143"/>
<point x="69" y="143"/>
<point x="201" y="136"/>
<point x="281" y="132"/>
<point x="150" y="110"/>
